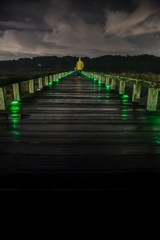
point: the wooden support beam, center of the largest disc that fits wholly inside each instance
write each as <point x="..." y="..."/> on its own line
<point x="107" y="80"/>
<point x="136" y="93"/>
<point x="46" y="80"/>
<point x="50" y="78"/>
<point x="103" y="79"/>
<point x="31" y="86"/>
<point x="152" y="99"/>
<point x="3" y="101"/>
<point x="122" y="87"/>
<point x="40" y="85"/>
<point x="16" y="91"/>
<point x="113" y="84"/>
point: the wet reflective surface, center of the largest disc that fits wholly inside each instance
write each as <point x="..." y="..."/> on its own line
<point x="79" y="117"/>
<point x="82" y="133"/>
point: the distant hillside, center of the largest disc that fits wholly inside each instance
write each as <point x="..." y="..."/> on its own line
<point x="118" y="64"/>
<point x="109" y="63"/>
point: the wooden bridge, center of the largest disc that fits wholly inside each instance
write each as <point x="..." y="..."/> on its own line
<point x="61" y="135"/>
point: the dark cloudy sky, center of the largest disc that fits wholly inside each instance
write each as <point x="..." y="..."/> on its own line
<point x="90" y="28"/>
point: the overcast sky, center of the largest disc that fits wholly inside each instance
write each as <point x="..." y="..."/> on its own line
<point x="90" y="28"/>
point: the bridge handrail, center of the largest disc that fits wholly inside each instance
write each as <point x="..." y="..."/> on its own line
<point x="21" y="78"/>
<point x="146" y="83"/>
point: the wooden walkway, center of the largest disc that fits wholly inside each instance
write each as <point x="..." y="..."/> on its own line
<point x="78" y="134"/>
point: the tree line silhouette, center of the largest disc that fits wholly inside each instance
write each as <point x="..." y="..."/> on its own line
<point x="109" y="63"/>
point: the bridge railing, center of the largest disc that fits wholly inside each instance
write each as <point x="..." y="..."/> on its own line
<point x="111" y="80"/>
<point x="13" y="89"/>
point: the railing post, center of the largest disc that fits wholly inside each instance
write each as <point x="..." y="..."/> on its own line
<point x="16" y="91"/>
<point x="50" y="79"/>
<point x="103" y="79"/>
<point x="43" y="82"/>
<point x="40" y="86"/>
<point x="99" y="77"/>
<point x="54" y="77"/>
<point x="46" y="81"/>
<point x="136" y="93"/>
<point x="152" y="99"/>
<point x="31" y="86"/>
<point x="3" y="100"/>
<point x="113" y="84"/>
<point x="122" y="87"/>
<point x="107" y="80"/>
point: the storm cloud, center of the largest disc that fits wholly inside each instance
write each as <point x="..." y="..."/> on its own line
<point x="64" y="27"/>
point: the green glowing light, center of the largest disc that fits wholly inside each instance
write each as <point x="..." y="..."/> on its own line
<point x="15" y="121"/>
<point x="108" y="86"/>
<point x="125" y="96"/>
<point x="15" y="115"/>
<point x="13" y="111"/>
<point x="15" y="108"/>
<point x="15" y="133"/>
<point x="124" y="115"/>
<point x="15" y="102"/>
<point x="125" y="101"/>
